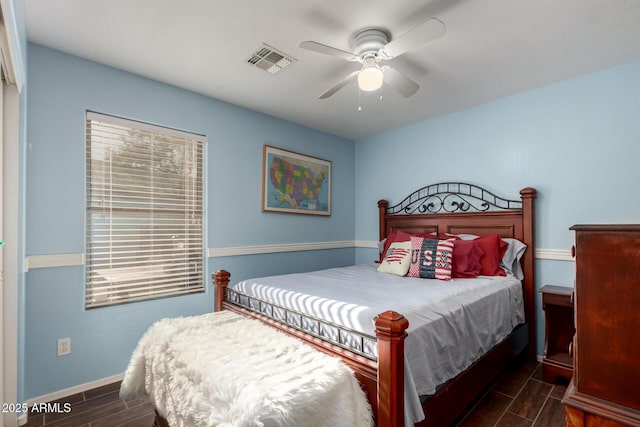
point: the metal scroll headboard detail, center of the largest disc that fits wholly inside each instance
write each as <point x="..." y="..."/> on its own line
<point x="452" y="197"/>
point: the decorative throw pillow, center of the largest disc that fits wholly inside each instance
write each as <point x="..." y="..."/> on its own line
<point x="494" y="249"/>
<point x="466" y="259"/>
<point x="396" y="236"/>
<point x="397" y="258"/>
<point x="431" y="258"/>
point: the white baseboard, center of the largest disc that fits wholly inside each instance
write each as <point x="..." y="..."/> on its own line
<point x="60" y="394"/>
<point x="75" y="389"/>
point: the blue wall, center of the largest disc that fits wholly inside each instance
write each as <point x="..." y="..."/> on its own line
<point x="577" y="142"/>
<point x="61" y="89"/>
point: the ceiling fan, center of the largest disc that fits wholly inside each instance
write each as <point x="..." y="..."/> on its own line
<point x="370" y="47"/>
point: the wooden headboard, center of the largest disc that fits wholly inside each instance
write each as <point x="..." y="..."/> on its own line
<point x="460" y="208"/>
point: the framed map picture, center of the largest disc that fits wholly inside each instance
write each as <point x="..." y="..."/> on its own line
<point x="295" y="183"/>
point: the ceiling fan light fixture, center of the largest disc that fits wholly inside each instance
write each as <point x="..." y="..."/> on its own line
<point x="371" y="76"/>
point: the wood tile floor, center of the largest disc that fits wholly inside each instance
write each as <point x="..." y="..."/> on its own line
<point x="99" y="407"/>
<point x="518" y="398"/>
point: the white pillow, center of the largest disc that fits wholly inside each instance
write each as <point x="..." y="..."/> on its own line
<point x="397" y="259"/>
<point x="463" y="236"/>
<point x="511" y="259"/>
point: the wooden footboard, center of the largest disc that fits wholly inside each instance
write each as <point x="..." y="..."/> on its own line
<point x="160" y="421"/>
<point x="383" y="382"/>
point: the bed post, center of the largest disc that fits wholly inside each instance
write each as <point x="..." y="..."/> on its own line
<point x="391" y="331"/>
<point x="528" y="196"/>
<point x="221" y="280"/>
<point x="382" y="212"/>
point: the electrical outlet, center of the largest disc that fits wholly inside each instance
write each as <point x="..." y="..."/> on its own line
<point x="64" y="346"/>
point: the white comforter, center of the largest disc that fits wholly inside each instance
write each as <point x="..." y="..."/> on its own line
<point x="451" y="323"/>
<point x="222" y="369"/>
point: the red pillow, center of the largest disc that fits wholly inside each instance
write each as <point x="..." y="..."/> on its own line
<point x="466" y="259"/>
<point x="494" y="248"/>
<point x="396" y="236"/>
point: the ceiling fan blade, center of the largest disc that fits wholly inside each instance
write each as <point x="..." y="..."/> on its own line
<point x="342" y="83"/>
<point x="428" y="31"/>
<point x="328" y="50"/>
<point x="399" y="81"/>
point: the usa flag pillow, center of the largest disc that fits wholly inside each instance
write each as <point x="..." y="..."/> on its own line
<point x="431" y="258"/>
<point x="396" y="259"/>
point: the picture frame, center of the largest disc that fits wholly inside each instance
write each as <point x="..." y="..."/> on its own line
<point x="295" y="183"/>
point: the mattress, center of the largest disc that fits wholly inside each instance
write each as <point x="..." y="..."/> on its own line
<point x="451" y="323"/>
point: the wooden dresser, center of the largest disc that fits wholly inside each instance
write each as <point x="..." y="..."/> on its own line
<point x="605" y="389"/>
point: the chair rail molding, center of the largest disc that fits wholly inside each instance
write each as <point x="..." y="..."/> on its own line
<point x="78" y="259"/>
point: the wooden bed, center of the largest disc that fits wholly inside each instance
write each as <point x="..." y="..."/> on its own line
<point x="455" y="208"/>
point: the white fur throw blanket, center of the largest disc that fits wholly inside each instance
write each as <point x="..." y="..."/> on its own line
<point x="223" y="369"/>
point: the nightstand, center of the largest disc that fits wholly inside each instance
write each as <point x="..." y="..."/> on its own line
<point x="557" y="361"/>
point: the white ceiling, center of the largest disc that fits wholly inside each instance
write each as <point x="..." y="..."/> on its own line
<point x="491" y="49"/>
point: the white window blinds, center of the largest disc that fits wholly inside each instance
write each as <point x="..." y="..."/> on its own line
<point x="144" y="211"/>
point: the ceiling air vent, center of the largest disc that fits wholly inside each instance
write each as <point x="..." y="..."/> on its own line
<point x="270" y="59"/>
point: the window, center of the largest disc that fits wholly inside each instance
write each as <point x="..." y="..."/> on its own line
<point x="144" y="211"/>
